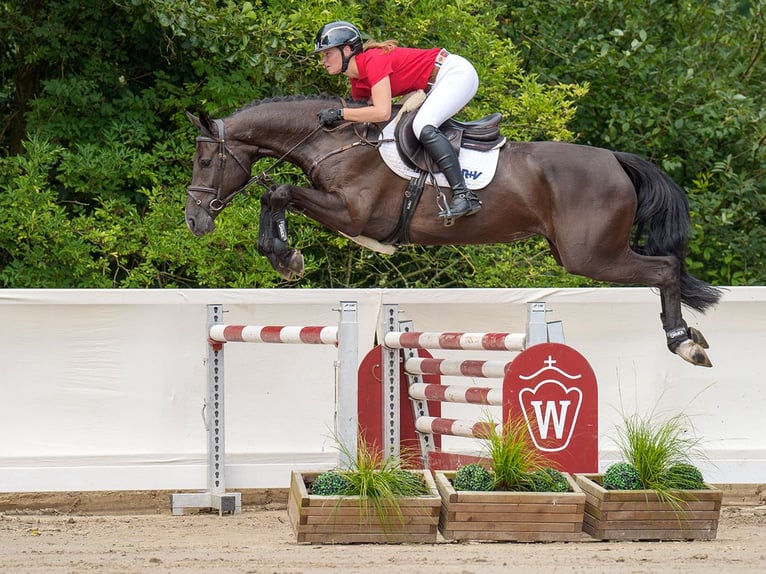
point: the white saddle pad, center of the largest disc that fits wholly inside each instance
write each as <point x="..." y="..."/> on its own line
<point x="478" y="166"/>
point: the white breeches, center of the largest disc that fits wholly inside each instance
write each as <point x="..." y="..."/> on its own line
<point x="455" y="85"/>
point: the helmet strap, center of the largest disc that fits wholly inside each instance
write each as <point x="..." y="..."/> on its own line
<point x="344" y="59"/>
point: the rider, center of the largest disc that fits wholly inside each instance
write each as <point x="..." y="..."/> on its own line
<point x="379" y="71"/>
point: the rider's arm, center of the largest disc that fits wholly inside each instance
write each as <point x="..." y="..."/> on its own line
<point x="379" y="109"/>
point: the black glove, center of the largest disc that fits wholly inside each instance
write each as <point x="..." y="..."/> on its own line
<point x="330" y="117"/>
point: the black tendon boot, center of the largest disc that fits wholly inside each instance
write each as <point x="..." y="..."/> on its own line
<point x="464" y="201"/>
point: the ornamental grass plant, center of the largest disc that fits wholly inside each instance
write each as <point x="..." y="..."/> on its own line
<point x="516" y="464"/>
<point x="379" y="481"/>
<point x="514" y="456"/>
<point x="660" y="452"/>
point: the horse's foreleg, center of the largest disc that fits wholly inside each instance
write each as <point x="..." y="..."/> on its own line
<point x="348" y="213"/>
<point x="290" y="261"/>
<point x="273" y="239"/>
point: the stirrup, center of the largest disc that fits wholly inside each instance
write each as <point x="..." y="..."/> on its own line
<point x="474" y="206"/>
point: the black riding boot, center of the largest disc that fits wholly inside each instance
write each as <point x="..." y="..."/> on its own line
<point x="464" y="201"/>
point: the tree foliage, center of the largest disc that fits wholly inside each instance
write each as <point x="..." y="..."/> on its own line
<point x="681" y="83"/>
<point x="95" y="149"/>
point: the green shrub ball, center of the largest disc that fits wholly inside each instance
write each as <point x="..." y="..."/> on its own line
<point x="622" y="476"/>
<point x="330" y="483"/>
<point x="410" y="484"/>
<point x="549" y="480"/>
<point x="685" y="477"/>
<point x="473" y="477"/>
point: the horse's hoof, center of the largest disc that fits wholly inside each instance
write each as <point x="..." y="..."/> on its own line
<point x="293" y="269"/>
<point x="295" y="263"/>
<point x="286" y="274"/>
<point x="694" y="353"/>
<point x="697" y="337"/>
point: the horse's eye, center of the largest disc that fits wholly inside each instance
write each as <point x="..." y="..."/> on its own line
<point x="205" y="162"/>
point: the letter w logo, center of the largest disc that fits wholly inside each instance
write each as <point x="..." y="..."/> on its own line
<point x="551" y="410"/>
<point x="557" y="417"/>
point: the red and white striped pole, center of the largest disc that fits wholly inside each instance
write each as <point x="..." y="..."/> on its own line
<point x="274" y="334"/>
<point x="456" y="427"/>
<point x="457" y="394"/>
<point x="466" y="341"/>
<point x="457" y="367"/>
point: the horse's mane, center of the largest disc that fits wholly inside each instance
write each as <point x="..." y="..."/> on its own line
<point x="295" y="98"/>
<point x="300" y="98"/>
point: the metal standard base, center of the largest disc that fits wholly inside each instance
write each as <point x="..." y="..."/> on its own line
<point x="230" y="502"/>
<point x="216" y="496"/>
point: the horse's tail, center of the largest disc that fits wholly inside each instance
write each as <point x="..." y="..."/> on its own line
<point x="662" y="225"/>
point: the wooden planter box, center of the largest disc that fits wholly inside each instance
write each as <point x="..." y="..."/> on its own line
<point x="340" y="520"/>
<point x="642" y="515"/>
<point x="510" y="516"/>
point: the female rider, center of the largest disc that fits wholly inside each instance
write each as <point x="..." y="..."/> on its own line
<point x="379" y="71"/>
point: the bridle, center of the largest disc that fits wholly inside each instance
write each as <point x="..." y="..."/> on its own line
<point x="224" y="151"/>
<point x="217" y="203"/>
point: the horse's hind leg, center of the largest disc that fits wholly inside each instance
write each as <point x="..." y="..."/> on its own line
<point x="664" y="273"/>
<point x="273" y="240"/>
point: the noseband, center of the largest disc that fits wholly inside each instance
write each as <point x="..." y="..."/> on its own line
<point x="217" y="203"/>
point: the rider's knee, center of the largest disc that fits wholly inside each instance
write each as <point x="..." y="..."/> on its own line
<point x="426" y="131"/>
<point x="418" y="125"/>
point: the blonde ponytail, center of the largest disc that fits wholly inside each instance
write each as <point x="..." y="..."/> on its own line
<point x="385" y="45"/>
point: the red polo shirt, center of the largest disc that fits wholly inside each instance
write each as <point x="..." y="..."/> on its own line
<point x="408" y="69"/>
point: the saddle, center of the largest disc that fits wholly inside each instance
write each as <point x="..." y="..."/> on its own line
<point x="481" y="135"/>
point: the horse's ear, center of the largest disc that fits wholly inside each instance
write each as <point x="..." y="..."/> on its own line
<point x="194" y="119"/>
<point x="203" y="122"/>
<point x="206" y="122"/>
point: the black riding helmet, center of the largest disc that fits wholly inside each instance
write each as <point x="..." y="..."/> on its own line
<point x="336" y="35"/>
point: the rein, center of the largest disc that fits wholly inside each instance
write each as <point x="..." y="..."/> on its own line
<point x="363" y="140"/>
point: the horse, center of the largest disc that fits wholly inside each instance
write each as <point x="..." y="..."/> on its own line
<point x="608" y="215"/>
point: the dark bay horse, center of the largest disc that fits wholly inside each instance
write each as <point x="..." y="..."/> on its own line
<point x="607" y="215"/>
